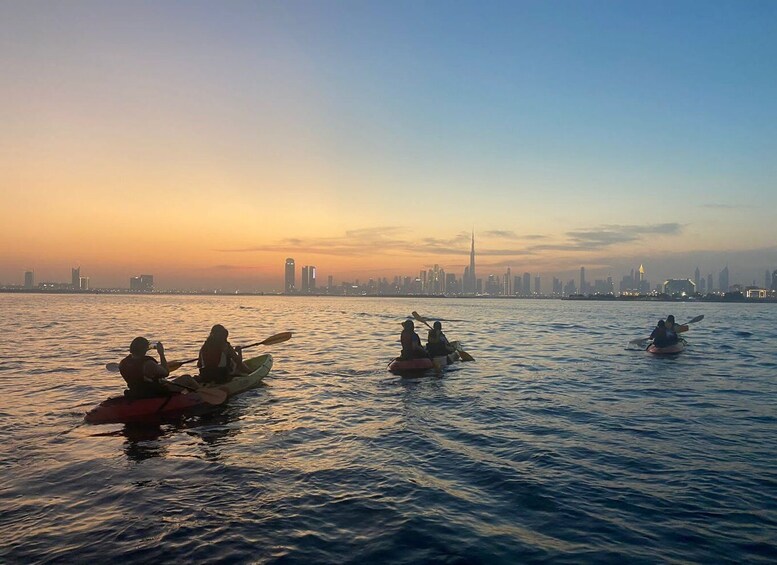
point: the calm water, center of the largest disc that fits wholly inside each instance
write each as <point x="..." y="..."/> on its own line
<point x="557" y="444"/>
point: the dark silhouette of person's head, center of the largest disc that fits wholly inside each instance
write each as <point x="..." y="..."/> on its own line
<point x="408" y="325"/>
<point x="139" y="346"/>
<point x="437" y="325"/>
<point x="219" y="333"/>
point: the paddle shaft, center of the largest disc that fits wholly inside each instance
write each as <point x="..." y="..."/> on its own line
<point x="173" y="365"/>
<point x="463" y="354"/>
<point x="641" y="340"/>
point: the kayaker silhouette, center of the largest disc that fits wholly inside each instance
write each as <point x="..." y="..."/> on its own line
<point x="142" y="372"/>
<point x="411" y="343"/>
<point x="218" y="360"/>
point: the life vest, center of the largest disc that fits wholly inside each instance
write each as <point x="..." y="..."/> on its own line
<point x="131" y="368"/>
<point x="212" y="356"/>
<point x="213" y="361"/>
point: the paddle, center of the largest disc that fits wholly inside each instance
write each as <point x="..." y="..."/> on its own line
<point x="644" y="340"/>
<point x="211" y="395"/>
<point x="173" y="365"/>
<point x="463" y="354"/>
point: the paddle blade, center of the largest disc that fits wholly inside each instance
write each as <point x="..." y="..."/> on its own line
<point x="112" y="367"/>
<point x="277" y="338"/>
<point x="420" y="318"/>
<point x="211" y="395"/>
<point x="698" y="318"/>
<point x="465" y="356"/>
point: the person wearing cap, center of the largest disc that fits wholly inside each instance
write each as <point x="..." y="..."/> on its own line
<point x="411" y="343"/>
<point x="142" y="372"/>
<point x="218" y="360"/>
<point x="436" y="343"/>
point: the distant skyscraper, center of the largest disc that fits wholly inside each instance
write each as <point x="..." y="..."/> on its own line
<point x="709" y="282"/>
<point x="290" y="276"/>
<point x="471" y="282"/>
<point x="774" y="280"/>
<point x="75" y="278"/>
<point x="723" y="279"/>
<point x="147" y="283"/>
<point x="697" y="279"/>
<point x="643" y="285"/>
<point x="312" y="278"/>
<point x="29" y="279"/>
<point x="330" y="282"/>
<point x="537" y="289"/>
<point x="83" y="283"/>
<point x="526" y="287"/>
<point x="304" y="281"/>
<point x="143" y="283"/>
<point x="583" y="285"/>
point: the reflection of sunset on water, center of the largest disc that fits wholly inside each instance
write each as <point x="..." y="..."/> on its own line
<point x="554" y="418"/>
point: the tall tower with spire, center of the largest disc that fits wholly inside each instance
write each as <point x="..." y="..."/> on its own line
<point x="473" y="280"/>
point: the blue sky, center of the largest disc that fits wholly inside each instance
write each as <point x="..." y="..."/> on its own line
<point x="538" y="118"/>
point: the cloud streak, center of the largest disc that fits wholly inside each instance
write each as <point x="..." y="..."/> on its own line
<point x="397" y="241"/>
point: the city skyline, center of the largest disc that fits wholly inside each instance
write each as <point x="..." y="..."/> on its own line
<point x="493" y="283"/>
<point x="206" y="145"/>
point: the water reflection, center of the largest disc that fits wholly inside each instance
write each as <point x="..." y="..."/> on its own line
<point x="142" y="441"/>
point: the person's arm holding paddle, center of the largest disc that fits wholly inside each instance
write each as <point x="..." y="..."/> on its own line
<point x="236" y="354"/>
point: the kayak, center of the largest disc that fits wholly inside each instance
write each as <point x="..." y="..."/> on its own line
<point x="124" y="409"/>
<point x="260" y="366"/>
<point x="669" y="349"/>
<point x="422" y="364"/>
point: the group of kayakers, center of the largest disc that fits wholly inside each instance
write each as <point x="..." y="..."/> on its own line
<point x="145" y="376"/>
<point x="437" y="344"/>
<point x="218" y="361"/>
<point x="665" y="332"/>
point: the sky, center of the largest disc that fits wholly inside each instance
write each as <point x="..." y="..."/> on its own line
<point x="205" y="142"/>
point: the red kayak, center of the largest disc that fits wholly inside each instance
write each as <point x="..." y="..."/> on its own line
<point x="669" y="349"/>
<point x="124" y="409"/>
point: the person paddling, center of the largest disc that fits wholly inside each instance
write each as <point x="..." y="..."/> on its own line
<point x="218" y="360"/>
<point x="659" y="335"/>
<point x="143" y="374"/>
<point x="672" y="329"/>
<point x="436" y="343"/>
<point x="411" y="343"/>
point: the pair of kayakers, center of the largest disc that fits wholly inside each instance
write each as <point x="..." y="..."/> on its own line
<point x="437" y="344"/>
<point x="665" y="332"/>
<point x="217" y="362"/>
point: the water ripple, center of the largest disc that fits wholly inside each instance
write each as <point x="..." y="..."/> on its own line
<point x="560" y="443"/>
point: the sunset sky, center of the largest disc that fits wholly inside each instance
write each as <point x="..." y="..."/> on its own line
<point x="205" y="142"/>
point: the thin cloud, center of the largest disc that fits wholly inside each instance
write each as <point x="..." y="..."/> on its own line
<point x="396" y="241"/>
<point x="609" y="235"/>
<point x="354" y="243"/>
<point x="714" y="206"/>
<point x="501" y="234"/>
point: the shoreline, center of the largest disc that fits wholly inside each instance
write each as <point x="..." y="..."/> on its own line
<point x="729" y="297"/>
